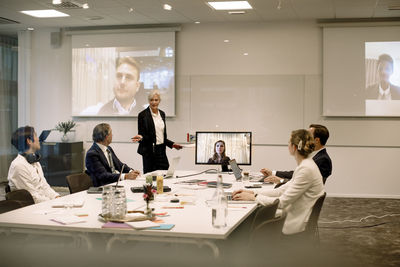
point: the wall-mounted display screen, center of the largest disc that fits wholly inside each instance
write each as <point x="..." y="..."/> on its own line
<point x="112" y="74"/>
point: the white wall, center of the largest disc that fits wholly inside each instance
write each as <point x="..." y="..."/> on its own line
<point x="361" y="166"/>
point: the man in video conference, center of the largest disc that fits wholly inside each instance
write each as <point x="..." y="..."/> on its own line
<point x="125" y="89"/>
<point x="384" y="90"/>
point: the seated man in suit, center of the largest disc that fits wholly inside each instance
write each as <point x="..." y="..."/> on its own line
<point x="383" y="90"/>
<point x="25" y="170"/>
<point x="320" y="157"/>
<point x="101" y="162"/>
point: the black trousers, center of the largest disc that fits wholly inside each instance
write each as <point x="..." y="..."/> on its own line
<point x="157" y="160"/>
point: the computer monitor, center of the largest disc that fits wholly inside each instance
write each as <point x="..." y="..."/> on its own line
<point x="237" y="145"/>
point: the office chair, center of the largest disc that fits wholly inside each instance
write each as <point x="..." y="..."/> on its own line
<point x="311" y="230"/>
<point x="7" y="188"/>
<point x="264" y="213"/>
<point x="22" y="196"/>
<point x="78" y="182"/>
<point x="9" y="205"/>
<point x="265" y="239"/>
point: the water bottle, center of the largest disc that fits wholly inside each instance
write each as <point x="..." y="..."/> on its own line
<point x="219" y="208"/>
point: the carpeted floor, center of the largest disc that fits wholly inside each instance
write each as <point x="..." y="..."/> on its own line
<point x="343" y="235"/>
<point x="370" y="242"/>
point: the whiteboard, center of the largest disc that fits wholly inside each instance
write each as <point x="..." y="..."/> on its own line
<point x="270" y="106"/>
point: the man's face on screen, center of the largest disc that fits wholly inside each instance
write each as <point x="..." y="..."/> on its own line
<point x="385" y="70"/>
<point x="219" y="148"/>
<point x="126" y="83"/>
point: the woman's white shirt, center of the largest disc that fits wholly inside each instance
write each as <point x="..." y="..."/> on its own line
<point x="159" y="125"/>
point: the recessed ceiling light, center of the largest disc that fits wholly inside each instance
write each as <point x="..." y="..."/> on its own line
<point x="245" y="54"/>
<point x="30" y="29"/>
<point x="226" y="41"/>
<point x="48" y="13"/>
<point x="167" y="7"/>
<point x="236" y="12"/>
<point x="85" y="6"/>
<point x="130" y="10"/>
<point x="230" y="5"/>
<point x="57" y="2"/>
<point x="197" y="22"/>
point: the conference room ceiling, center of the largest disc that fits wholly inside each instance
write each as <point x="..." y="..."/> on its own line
<point x="128" y="12"/>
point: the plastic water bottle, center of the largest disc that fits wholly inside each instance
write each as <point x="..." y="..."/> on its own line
<point x="219" y="208"/>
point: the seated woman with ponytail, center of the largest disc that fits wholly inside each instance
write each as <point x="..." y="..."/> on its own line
<point x="296" y="197"/>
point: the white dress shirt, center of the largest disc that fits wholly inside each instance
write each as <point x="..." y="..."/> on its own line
<point x="104" y="149"/>
<point x="23" y="175"/>
<point x="296" y="197"/>
<point x="121" y="110"/>
<point x="384" y="94"/>
<point x="159" y="125"/>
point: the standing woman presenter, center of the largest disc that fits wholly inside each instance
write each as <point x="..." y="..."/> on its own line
<point x="152" y="136"/>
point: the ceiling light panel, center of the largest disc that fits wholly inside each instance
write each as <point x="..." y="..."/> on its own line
<point x="230" y="5"/>
<point x="47" y="13"/>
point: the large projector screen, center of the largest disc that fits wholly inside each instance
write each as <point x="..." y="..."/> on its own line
<point x="361" y="71"/>
<point x="112" y="74"/>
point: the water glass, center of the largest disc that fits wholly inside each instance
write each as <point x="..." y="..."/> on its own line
<point x="106" y="201"/>
<point x="119" y="206"/>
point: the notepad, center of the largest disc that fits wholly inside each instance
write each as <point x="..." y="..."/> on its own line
<point x="68" y="219"/>
<point x="76" y="203"/>
<point x="163" y="227"/>
<point x="116" y="225"/>
<point x="143" y="224"/>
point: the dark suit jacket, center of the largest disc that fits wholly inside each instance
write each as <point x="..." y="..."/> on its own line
<point x="372" y="92"/>
<point x="98" y="168"/>
<point x="147" y="129"/>
<point x="323" y="162"/>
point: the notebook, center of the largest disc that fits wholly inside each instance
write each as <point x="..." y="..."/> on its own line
<point x="44" y="135"/>
<point x="172" y="166"/>
<point x="238" y="173"/>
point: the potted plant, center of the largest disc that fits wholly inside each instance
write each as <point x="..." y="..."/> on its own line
<point x="65" y="127"/>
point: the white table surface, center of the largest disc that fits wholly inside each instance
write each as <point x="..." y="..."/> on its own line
<point x="193" y="221"/>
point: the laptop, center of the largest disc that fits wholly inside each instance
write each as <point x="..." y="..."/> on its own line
<point x="44" y="135"/>
<point x="171" y="169"/>
<point x="238" y="173"/>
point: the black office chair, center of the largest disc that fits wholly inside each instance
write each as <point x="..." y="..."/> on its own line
<point x="7" y="188"/>
<point x="311" y="230"/>
<point x="9" y="205"/>
<point x="78" y="182"/>
<point x="265" y="239"/>
<point x="22" y="196"/>
<point x="264" y="213"/>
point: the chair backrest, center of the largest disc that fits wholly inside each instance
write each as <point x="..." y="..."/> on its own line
<point x="78" y="182"/>
<point x="264" y="213"/>
<point x="21" y="195"/>
<point x="312" y="225"/>
<point x="7" y="188"/>
<point x="267" y="233"/>
<point x="8" y="205"/>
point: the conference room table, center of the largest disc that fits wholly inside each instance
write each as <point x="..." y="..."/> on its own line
<point x="36" y="225"/>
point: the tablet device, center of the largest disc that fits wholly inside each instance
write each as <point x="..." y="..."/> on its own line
<point x="95" y="190"/>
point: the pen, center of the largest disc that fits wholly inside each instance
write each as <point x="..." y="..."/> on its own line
<point x="179" y="207"/>
<point x="135" y="211"/>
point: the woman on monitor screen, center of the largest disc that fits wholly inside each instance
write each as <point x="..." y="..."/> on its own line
<point x="219" y="156"/>
<point x="152" y="136"/>
<point x="298" y="196"/>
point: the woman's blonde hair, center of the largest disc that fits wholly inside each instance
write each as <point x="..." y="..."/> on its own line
<point x="153" y="93"/>
<point x="304" y="142"/>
